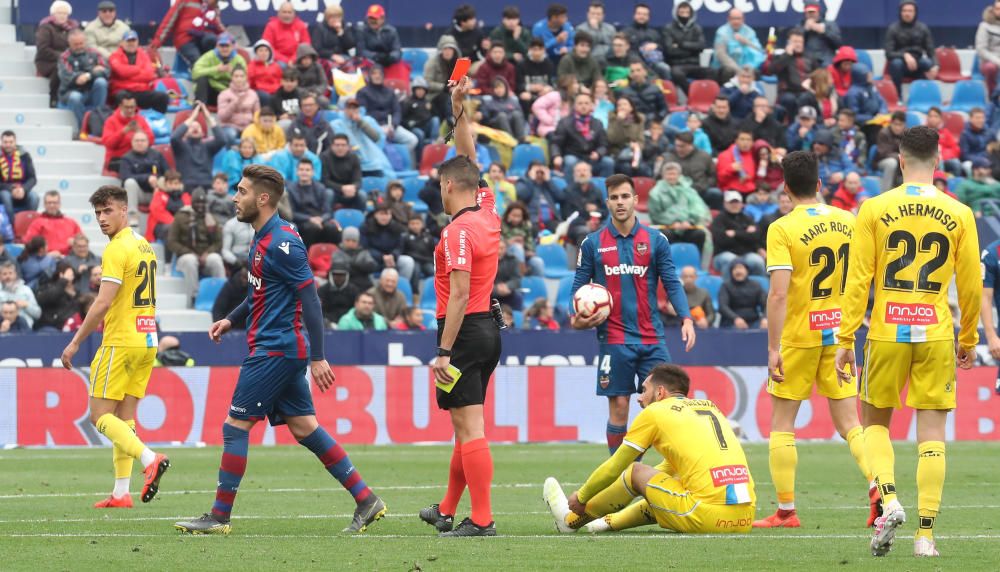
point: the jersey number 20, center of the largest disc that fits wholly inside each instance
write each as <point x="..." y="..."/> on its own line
<point x="145" y="292"/>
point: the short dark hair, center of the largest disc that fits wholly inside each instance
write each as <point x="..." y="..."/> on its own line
<point x="617" y="180"/>
<point x="52" y="193"/>
<point x="9" y="133"/>
<point x="265" y="180"/>
<point x="511" y="12"/>
<point x="462" y="170"/>
<point x="107" y="193"/>
<point x="621" y="36"/>
<point x="975" y="110"/>
<point x="536" y="42"/>
<point x="172" y="175"/>
<point x="342" y="137"/>
<point x="555" y="10"/>
<point x="583" y="38"/>
<point x="685" y="136"/>
<point x="221" y="177"/>
<point x="672" y="377"/>
<point x="796" y="31"/>
<point x="305" y="161"/>
<point x="744" y="129"/>
<point x="290" y="73"/>
<point x="597" y="4"/>
<point x="848" y="112"/>
<point x="395" y="184"/>
<point x="920" y="143"/>
<point x="641" y="5"/>
<point x="935" y="109"/>
<point x="801" y="173"/>
<point x="721" y="97"/>
<point x="122" y="96"/>
<point x="298" y="135"/>
<point x="363" y="294"/>
<point x="464" y="12"/>
<point x="267" y="112"/>
<point x="898" y="116"/>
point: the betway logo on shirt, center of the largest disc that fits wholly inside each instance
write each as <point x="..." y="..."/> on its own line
<point x="256" y="281"/>
<point x="910" y="314"/>
<point x="625" y="270"/>
<point x="824" y="319"/>
<point x="730" y="475"/>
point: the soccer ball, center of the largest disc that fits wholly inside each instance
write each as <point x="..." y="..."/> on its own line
<point x="591" y="298"/>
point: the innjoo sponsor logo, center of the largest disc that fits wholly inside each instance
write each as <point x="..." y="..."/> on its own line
<point x="145" y="324"/>
<point x="824" y="319"/>
<point x="910" y="314"/>
<point x="730" y="475"/>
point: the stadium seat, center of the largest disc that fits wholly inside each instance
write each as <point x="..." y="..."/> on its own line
<point x="600" y="183"/>
<point x="685" y="254"/>
<point x="678" y="120"/>
<point x="518" y="316"/>
<point x="402" y="86"/>
<point x="404" y="286"/>
<point x="924" y="94"/>
<point x="555" y="259"/>
<point x="21" y="222"/>
<point x="670" y="96"/>
<point x="320" y="257"/>
<point x="764" y="281"/>
<point x="872" y="185"/>
<point x="559" y="182"/>
<point x="208" y="290"/>
<point x="712" y="284"/>
<point x="564" y="297"/>
<point x="417" y="59"/>
<point x="701" y="94"/>
<point x="168" y="154"/>
<point x="887" y="90"/>
<point x="430" y="320"/>
<point x="397" y="76"/>
<point x="349" y="217"/>
<point x="968" y="95"/>
<point x="533" y="288"/>
<point x="954" y="182"/>
<point x="181" y="69"/>
<point x="954" y="122"/>
<point x="411" y="193"/>
<point x="865" y="58"/>
<point x="376" y="184"/>
<point x="14" y="250"/>
<point x="976" y="72"/>
<point x="401" y="161"/>
<point x="522" y="158"/>
<point x="432" y="155"/>
<point x="428" y="299"/>
<point x="642" y="188"/>
<point x="85" y="135"/>
<point x="914" y="119"/>
<point x="950" y="68"/>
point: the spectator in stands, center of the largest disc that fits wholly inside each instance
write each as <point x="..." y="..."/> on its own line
<point x="580" y="63"/>
<point x="617" y="63"/>
<point x="362" y="317"/>
<point x="822" y="37"/>
<point x="504" y="191"/>
<point x="125" y="122"/>
<point x="287" y="160"/>
<point x="196" y="239"/>
<point x="555" y="31"/>
<point x="676" y="207"/>
<point x="265" y="133"/>
<point x="11" y="322"/>
<point x="887" y="154"/>
<point x="502" y="110"/>
<point x="507" y="284"/>
<point x="792" y="69"/>
<point x="238" y="104"/>
<point x="286" y="32"/>
<point x="419" y="116"/>
<point x="232" y="294"/>
<point x="382" y="105"/>
<point x="139" y="170"/>
<point x="311" y="125"/>
<point x="626" y="128"/>
<point x="438" y="68"/>
<point x="520" y="234"/>
<point x="646" y="41"/>
<point x="599" y="31"/>
<point x="58" y="299"/>
<point x="378" y="41"/>
<point x="411" y="320"/>
<point x="17" y="177"/>
<point x="220" y="201"/>
<point x="849" y="137"/>
<point x="81" y="258"/>
<point x="312" y="76"/>
<point x="951" y="152"/>
<point x="496" y="65"/>
<point x="834" y="164"/>
<point x="581" y="137"/>
<point x="233" y="161"/>
<point x="696" y="165"/>
<point x="737" y="168"/>
<point x="331" y="38"/>
<point x="720" y="126"/>
<point x="979" y="188"/>
<point x="35" y="261"/>
<point x="850" y="193"/>
<point x="512" y="34"/>
<point x="132" y="70"/>
<point x="742" y="91"/>
<point x="311" y="206"/>
<point x="363" y="134"/>
<point x="214" y="70"/>
<point x="472" y="42"/>
<point x="683" y="42"/>
<point x="735" y="235"/>
<point x="105" y="32"/>
<point x="647" y="97"/>
<point x="762" y="123"/>
<point x="383" y="237"/>
<point x="285" y="101"/>
<point x="13" y="289"/>
<point x="357" y="258"/>
<point x="394" y="198"/>
<point x="264" y="74"/>
<point x="237" y="237"/>
<point x="909" y="47"/>
<point x="742" y="301"/>
<point x="801" y="133"/>
<point x="736" y="45"/>
<point x="770" y="176"/>
<point x="167" y="200"/>
<point x="83" y="73"/>
<point x="603" y="104"/>
<point x="6" y="233"/>
<point x="419" y="245"/>
<point x="51" y="40"/>
<point x="341" y="173"/>
<point x="390" y="303"/>
<point x="584" y="198"/>
<point x="988" y="44"/>
<point x="57" y="229"/>
<point x="975" y="137"/>
<point x="699" y="301"/>
<point x="535" y="75"/>
<point x="841" y="69"/>
<point x="540" y="316"/>
<point x="193" y="26"/>
<point x="5" y="255"/>
<point x="192" y="154"/>
<point x="863" y="98"/>
<point x="823" y="96"/>
<point x="338" y="294"/>
<point x="540" y="196"/>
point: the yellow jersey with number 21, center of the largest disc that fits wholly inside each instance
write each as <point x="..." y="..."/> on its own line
<point x="131" y="320"/>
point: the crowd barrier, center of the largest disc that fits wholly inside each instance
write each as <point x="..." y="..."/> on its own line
<point x="382" y="405"/>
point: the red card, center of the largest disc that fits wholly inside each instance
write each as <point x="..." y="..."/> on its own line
<point x="461" y="68"/>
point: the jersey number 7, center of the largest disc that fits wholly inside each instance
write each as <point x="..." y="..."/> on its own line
<point x="716" y="425"/>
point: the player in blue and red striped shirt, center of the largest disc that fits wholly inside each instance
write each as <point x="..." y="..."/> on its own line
<point x="281" y="300"/>
<point x="628" y="259"/>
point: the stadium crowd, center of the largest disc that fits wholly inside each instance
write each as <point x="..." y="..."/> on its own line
<point x="356" y="124"/>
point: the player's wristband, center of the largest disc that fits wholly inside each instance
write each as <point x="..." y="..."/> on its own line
<point x="441" y="352"/>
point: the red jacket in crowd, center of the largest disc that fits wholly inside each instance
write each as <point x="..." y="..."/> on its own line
<point x="948" y="145"/>
<point x="57" y="231"/>
<point x="730" y="179"/>
<point x="158" y="213"/>
<point x="264" y="76"/>
<point x="842" y="81"/>
<point x="285" y="38"/>
<point x="184" y="17"/>
<point x="843" y="199"/>
<point x="134" y="77"/>
<point x="116" y="140"/>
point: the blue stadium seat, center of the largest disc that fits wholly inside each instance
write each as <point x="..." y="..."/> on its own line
<point x="411" y="193"/>
<point x="564" y="296"/>
<point x="555" y="259"/>
<point x="968" y="95"/>
<point x="377" y="184"/>
<point x="924" y="94"/>
<point x="522" y="157"/>
<point x="430" y="320"/>
<point x="417" y="59"/>
<point x="953" y="184"/>
<point x="685" y="254"/>
<point x="872" y="186"/>
<point x="14" y="250"/>
<point x="678" y="120"/>
<point x="976" y="72"/>
<point x="559" y="183"/>
<point x="428" y="301"/>
<point x="349" y="217"/>
<point x="406" y="288"/>
<point x="712" y="284"/>
<point x="532" y="288"/>
<point x="764" y="281"/>
<point x="518" y="319"/>
<point x="865" y="58"/>
<point x="401" y="162"/>
<point x="914" y="119"/>
<point x="600" y="184"/>
<point x="208" y="290"/>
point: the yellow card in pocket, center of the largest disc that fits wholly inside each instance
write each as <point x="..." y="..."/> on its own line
<point x="455" y="374"/>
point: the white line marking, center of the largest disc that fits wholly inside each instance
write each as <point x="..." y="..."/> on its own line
<point x="585" y="537"/>
<point x="238" y="517"/>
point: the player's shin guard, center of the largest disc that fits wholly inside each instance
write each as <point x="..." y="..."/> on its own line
<point x="783" y="459"/>
<point x="336" y="461"/>
<point x="856" y="442"/>
<point x="616" y="434"/>
<point x="881" y="460"/>
<point x="477" y="463"/>
<point x="456" y="482"/>
<point x="122" y="436"/>
<point x="635" y="514"/>
<point x="235" y="446"/>
<point x="930" y="483"/>
<point x="123" y="466"/>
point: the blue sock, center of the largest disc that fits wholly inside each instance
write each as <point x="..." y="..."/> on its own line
<point x="336" y="461"/>
<point x="616" y="434"/>
<point x="235" y="445"/>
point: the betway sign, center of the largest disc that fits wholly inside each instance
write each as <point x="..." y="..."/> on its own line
<point x="765" y="6"/>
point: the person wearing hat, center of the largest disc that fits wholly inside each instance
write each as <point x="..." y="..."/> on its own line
<point x="418" y="114"/>
<point x="834" y="164"/>
<point x="683" y="41"/>
<point x="357" y="258"/>
<point x="214" y="69"/>
<point x="196" y="239"/>
<point x="192" y="26"/>
<point x="736" y="235"/>
<point x="742" y="302"/>
<point x="840" y="69"/>
<point x="105" y="32"/>
<point x="378" y="41"/>
<point x="980" y="187"/>
<point x="909" y="47"/>
<point x="822" y="36"/>
<point x="133" y="71"/>
<point x="337" y="296"/>
<point x="801" y="133"/>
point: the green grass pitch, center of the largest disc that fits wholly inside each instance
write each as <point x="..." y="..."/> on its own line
<point x="289" y="514"/>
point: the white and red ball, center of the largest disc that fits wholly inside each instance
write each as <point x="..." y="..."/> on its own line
<point x="591" y="299"/>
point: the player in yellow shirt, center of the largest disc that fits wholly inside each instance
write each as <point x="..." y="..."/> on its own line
<point x="807" y="257"/>
<point x="911" y="242"/>
<point x="126" y="302"/>
<point x="702" y="486"/>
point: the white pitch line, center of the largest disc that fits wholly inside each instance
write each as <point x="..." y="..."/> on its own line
<point x="238" y="517"/>
<point x="584" y="537"/>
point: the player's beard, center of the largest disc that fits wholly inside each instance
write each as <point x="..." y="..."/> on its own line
<point x="248" y="214"/>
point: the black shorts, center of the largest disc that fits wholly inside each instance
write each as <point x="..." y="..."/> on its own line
<point x="476" y="354"/>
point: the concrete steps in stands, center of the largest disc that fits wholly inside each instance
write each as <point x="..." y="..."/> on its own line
<point x="17" y="52"/>
<point x="67" y="166"/>
<point x="8" y="32"/>
<point x="18" y="118"/>
<point x="38" y="133"/>
<point x="40" y="101"/>
<point x="20" y="85"/>
<point x="169" y="301"/>
<point x="60" y="149"/>
<point x="169" y="284"/>
<point x="16" y="68"/>
<point x="5" y="13"/>
<point x="183" y="320"/>
<point x="82" y="185"/>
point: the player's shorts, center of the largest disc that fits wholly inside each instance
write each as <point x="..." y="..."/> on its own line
<point x="476" y="353"/>
<point x="271" y="386"/>
<point x="621" y="368"/>
<point x="118" y="371"/>
<point x="676" y="508"/>
<point x="805" y="367"/>
<point x="929" y="367"/>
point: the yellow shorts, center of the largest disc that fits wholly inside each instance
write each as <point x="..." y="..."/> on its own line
<point x="117" y="372"/>
<point x="677" y="509"/>
<point x="805" y="367"/>
<point x="929" y="367"/>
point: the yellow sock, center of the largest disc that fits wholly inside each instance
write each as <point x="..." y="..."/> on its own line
<point x="123" y="463"/>
<point x="783" y="458"/>
<point x="930" y="483"/>
<point x="856" y="442"/>
<point x="635" y="514"/>
<point x="121" y="435"/>
<point x="881" y="460"/>
<point x="614" y="498"/>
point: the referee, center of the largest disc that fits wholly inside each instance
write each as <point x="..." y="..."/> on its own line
<point x="465" y="266"/>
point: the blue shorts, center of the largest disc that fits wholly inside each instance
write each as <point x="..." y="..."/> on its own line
<point x="621" y="369"/>
<point x="271" y="386"/>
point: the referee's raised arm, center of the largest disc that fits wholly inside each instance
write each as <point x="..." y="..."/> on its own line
<point x="465" y="139"/>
